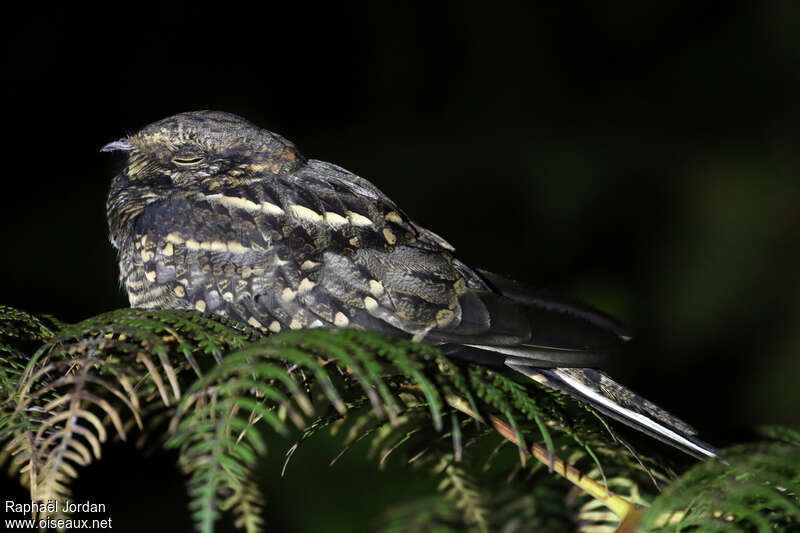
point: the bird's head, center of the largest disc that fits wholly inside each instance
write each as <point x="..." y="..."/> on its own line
<point x="208" y="147"/>
<point x="188" y="153"/>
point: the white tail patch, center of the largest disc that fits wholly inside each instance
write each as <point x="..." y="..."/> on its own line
<point x="632" y="415"/>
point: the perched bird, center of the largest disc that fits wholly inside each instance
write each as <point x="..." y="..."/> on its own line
<point x="213" y="213"/>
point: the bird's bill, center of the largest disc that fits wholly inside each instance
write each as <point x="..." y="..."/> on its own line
<point x="122" y="145"/>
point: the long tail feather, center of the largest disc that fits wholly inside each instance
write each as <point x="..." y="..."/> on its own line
<point x="621" y="404"/>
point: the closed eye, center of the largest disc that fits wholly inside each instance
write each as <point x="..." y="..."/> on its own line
<point x="186" y="161"/>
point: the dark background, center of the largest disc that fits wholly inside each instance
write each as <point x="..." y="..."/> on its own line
<point x="640" y="157"/>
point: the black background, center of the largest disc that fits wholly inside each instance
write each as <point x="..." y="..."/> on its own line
<point x="641" y="157"/>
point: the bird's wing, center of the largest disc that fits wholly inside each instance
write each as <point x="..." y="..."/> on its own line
<point x="323" y="247"/>
<point x="390" y="274"/>
<point x="269" y="249"/>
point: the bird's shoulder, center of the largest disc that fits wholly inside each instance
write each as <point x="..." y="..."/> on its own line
<point x="343" y="202"/>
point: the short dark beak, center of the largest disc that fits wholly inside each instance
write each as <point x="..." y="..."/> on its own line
<point x="122" y="145"/>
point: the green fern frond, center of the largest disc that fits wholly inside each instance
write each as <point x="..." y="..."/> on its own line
<point x="208" y="387"/>
<point x="752" y="487"/>
<point x="83" y="380"/>
<point x="474" y="499"/>
<point x="432" y="514"/>
<point x="18" y="324"/>
<point x="460" y="489"/>
<point x="287" y="374"/>
<point x="20" y="332"/>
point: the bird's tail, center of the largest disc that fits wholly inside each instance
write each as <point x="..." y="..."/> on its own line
<point x="620" y="403"/>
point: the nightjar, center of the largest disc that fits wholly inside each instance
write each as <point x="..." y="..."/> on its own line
<point x="213" y="213"/>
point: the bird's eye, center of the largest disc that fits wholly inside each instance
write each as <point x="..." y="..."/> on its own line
<point x="187" y="160"/>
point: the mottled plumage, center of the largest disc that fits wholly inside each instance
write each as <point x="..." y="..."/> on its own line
<point x="215" y="214"/>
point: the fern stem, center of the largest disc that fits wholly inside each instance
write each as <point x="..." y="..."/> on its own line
<point x="619" y="505"/>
